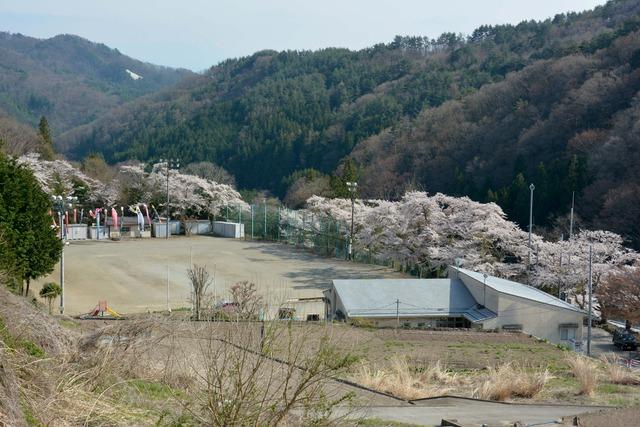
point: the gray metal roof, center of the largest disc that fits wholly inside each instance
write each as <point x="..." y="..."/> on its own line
<point x="418" y="297"/>
<point x="517" y="289"/>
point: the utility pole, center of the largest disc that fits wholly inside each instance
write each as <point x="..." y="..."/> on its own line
<point x="190" y="267"/>
<point x="562" y="275"/>
<point x="484" y="291"/>
<point x="60" y="204"/>
<point x="171" y="164"/>
<point x="168" y="307"/>
<point x="531" y="188"/>
<point x="353" y="187"/>
<point x="61" y="264"/>
<point x="397" y="313"/>
<point x="590" y="301"/>
<point x="573" y="196"/>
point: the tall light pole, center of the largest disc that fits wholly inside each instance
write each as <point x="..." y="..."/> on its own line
<point x="484" y="291"/>
<point x="171" y="164"/>
<point x="573" y="198"/>
<point x="353" y="188"/>
<point x="590" y="301"/>
<point x="60" y="204"/>
<point x="531" y="188"/>
<point x="264" y="200"/>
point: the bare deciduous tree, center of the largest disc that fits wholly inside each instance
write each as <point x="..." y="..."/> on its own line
<point x="619" y="295"/>
<point x="248" y="303"/>
<point x="200" y="281"/>
<point x="286" y="381"/>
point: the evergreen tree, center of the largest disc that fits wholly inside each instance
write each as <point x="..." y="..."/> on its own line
<point x="30" y="247"/>
<point x="47" y="143"/>
<point x="50" y="292"/>
<point x="339" y="183"/>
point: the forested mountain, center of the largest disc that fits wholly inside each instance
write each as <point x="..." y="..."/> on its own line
<point x="17" y="138"/>
<point x="553" y="102"/>
<point x="71" y="80"/>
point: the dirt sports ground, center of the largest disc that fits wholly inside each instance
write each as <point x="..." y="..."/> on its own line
<point x="132" y="274"/>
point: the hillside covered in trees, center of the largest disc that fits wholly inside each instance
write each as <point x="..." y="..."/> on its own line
<point x="549" y="102"/>
<point x="70" y="80"/>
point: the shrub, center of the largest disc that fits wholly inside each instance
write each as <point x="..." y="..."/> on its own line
<point x="508" y="381"/>
<point x="585" y="371"/>
<point x="618" y="374"/>
<point x="400" y="380"/>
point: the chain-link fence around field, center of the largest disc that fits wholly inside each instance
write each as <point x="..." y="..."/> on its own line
<point x="320" y="234"/>
<point x="324" y="236"/>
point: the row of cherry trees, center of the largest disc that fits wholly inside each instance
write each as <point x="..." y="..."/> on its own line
<point x="189" y="194"/>
<point x="432" y="232"/>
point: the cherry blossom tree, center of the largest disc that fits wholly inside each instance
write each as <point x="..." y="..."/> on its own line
<point x="432" y="232"/>
<point x="189" y="194"/>
<point x="61" y="177"/>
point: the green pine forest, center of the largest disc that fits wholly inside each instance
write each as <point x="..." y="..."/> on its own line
<point x="552" y="102"/>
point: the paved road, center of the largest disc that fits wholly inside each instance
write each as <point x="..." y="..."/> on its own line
<point x="601" y="343"/>
<point x="132" y="274"/>
<point x="469" y="412"/>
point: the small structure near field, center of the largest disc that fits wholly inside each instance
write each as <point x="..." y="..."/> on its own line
<point x="234" y="230"/>
<point x="197" y="226"/>
<point x="466" y="299"/>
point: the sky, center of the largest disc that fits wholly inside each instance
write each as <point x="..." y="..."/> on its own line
<point x="197" y="34"/>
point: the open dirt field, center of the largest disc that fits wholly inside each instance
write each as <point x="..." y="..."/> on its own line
<point x="132" y="275"/>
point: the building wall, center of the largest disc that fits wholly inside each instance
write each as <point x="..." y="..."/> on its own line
<point x="414" y="322"/>
<point x="479" y="291"/>
<point x="538" y="319"/>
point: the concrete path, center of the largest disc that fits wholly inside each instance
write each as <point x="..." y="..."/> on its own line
<point x="472" y="413"/>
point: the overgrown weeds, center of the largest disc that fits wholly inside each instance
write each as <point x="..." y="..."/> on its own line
<point x="616" y="373"/>
<point x="508" y="381"/>
<point x="585" y="370"/>
<point x="401" y="381"/>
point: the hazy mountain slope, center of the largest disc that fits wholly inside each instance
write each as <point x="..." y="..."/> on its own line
<point x="481" y="116"/>
<point x="287" y="111"/>
<point x="566" y="124"/>
<point x="17" y="138"/>
<point x="71" y="80"/>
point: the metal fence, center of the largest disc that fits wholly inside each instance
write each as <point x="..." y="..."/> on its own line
<point x="320" y="234"/>
<point x="323" y="236"/>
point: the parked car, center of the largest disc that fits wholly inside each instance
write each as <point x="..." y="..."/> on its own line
<point x="625" y="340"/>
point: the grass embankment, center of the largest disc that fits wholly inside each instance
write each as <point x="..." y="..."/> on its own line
<point x="495" y="366"/>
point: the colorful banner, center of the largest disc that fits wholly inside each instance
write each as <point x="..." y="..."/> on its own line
<point x="114" y="216"/>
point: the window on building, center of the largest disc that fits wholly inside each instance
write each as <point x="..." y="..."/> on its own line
<point x="286" y="313"/>
<point x="567" y="334"/>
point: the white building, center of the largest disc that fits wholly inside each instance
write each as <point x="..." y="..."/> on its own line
<point x="466" y="299"/>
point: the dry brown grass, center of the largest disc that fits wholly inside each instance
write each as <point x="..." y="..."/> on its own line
<point x="616" y="373"/>
<point x="401" y="381"/>
<point x="585" y="370"/>
<point x="507" y="381"/>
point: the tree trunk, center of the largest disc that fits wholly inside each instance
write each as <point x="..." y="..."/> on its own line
<point x="26" y="292"/>
<point x="50" y="305"/>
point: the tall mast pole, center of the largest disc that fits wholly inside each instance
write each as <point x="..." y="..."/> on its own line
<point x="573" y="196"/>
<point x="590" y="301"/>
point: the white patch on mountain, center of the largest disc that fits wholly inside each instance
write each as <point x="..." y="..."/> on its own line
<point x="133" y="75"/>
